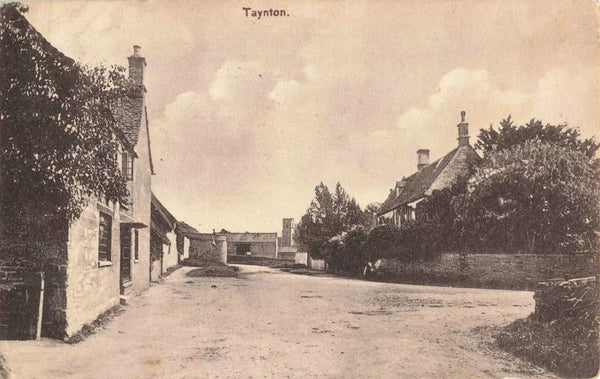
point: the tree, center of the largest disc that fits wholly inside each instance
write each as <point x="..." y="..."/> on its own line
<point x="327" y="216"/>
<point x="59" y="140"/>
<point x="437" y="214"/>
<point x="534" y="197"/>
<point x="510" y="135"/>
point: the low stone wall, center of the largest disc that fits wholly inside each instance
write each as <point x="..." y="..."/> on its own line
<point x="504" y="271"/>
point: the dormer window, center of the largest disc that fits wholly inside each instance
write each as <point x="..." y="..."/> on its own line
<point x="127" y="161"/>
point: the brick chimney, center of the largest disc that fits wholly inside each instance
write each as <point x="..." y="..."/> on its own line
<point x="463" y="130"/>
<point x="422" y="159"/>
<point x="136" y="71"/>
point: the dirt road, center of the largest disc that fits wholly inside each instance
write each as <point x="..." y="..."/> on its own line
<point x="273" y="324"/>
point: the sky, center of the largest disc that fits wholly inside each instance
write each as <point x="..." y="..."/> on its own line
<point x="248" y="115"/>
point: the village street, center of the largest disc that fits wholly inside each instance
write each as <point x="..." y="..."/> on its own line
<point x="269" y="323"/>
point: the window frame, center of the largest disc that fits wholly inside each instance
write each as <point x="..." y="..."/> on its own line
<point x="127" y="165"/>
<point x="104" y="250"/>
<point x="136" y="249"/>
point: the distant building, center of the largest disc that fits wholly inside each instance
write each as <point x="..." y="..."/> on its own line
<point x="287" y="246"/>
<point x="254" y="244"/>
<point x="401" y="203"/>
<point x="163" y="244"/>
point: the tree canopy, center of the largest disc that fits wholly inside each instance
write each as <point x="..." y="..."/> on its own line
<point x="531" y="197"/>
<point x="510" y="135"/>
<point x="59" y="141"/>
<point x="327" y="216"/>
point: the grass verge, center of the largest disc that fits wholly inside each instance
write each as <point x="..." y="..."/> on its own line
<point x="567" y="346"/>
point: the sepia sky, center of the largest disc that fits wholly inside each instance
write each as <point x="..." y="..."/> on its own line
<point x="247" y="115"/>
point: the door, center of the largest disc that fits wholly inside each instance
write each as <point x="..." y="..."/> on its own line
<point x="125" y="254"/>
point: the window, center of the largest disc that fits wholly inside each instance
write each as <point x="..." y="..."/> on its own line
<point x="104" y="237"/>
<point x="136" y="236"/>
<point x="127" y="161"/>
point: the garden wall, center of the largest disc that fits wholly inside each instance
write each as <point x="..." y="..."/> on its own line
<point x="505" y="271"/>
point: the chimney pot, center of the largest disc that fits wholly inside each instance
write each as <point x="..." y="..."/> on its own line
<point x="136" y="50"/>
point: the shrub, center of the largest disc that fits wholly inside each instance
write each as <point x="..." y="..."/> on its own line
<point x="382" y="242"/>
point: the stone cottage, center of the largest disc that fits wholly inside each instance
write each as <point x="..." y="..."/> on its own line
<point x="163" y="244"/>
<point x="134" y="233"/>
<point x="91" y="262"/>
<point x="400" y="205"/>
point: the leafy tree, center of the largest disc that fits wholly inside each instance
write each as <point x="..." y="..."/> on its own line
<point x="437" y="214"/>
<point x="531" y="197"/>
<point x="346" y="252"/>
<point x="328" y="215"/>
<point x="383" y="242"/>
<point x="510" y="135"/>
<point x="372" y="207"/>
<point x="59" y="137"/>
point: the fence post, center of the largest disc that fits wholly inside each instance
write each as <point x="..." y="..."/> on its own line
<point x="38" y="332"/>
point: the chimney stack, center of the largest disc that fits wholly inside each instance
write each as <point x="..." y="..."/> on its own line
<point x="136" y="71"/>
<point x="422" y="159"/>
<point x="463" y="130"/>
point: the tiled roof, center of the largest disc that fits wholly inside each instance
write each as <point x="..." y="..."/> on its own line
<point x="417" y="184"/>
<point x="162" y="211"/>
<point x="128" y="113"/>
<point x="159" y="233"/>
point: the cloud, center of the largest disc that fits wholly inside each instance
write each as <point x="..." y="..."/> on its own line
<point x="247" y="117"/>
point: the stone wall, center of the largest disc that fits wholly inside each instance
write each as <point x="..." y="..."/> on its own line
<point x="510" y="271"/>
<point x="93" y="286"/>
<point x="19" y="304"/>
<point x="209" y="250"/>
<point x="33" y="241"/>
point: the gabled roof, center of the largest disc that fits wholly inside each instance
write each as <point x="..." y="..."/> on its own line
<point x="417" y="185"/>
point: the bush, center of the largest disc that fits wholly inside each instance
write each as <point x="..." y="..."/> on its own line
<point x="562" y="333"/>
<point x="417" y="242"/>
<point x="413" y="241"/>
<point x="214" y="271"/>
<point x="382" y="242"/>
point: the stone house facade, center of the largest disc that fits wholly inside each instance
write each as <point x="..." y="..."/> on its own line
<point x="400" y="205"/>
<point x="90" y="263"/>
<point x="134" y="234"/>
